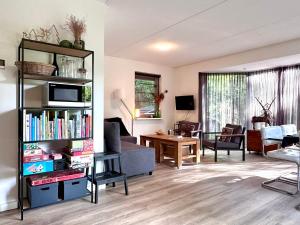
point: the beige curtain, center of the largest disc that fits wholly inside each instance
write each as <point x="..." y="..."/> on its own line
<point x="289" y="110"/>
<point x="262" y="85"/>
<point x="223" y="100"/>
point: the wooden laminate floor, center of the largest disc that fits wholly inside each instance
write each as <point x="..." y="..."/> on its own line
<point x="227" y="192"/>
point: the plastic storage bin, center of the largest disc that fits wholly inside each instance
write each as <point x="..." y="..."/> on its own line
<point x="71" y="189"/>
<point x="41" y="195"/>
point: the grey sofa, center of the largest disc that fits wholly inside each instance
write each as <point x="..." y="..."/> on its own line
<point x="125" y="135"/>
<point x="135" y="159"/>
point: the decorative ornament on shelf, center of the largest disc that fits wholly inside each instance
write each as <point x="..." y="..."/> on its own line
<point x="43" y="34"/>
<point x="77" y="27"/>
<point x="266" y="115"/>
<point x="158" y="99"/>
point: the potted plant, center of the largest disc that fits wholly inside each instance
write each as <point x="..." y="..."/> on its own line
<point x="77" y="27"/>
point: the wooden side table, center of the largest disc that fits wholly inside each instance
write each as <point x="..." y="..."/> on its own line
<point x="254" y="142"/>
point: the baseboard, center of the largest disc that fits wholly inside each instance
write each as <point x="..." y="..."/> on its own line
<point x="8" y="205"/>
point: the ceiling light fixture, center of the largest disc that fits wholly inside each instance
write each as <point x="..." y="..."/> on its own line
<point x="164" y="46"/>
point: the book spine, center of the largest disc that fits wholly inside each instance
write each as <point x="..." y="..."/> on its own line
<point x="24" y="126"/>
<point x="55" y="125"/>
<point x="78" y="125"/>
<point x="30" y="127"/>
<point x="27" y="128"/>
<point x="66" y="119"/>
<point x="37" y="129"/>
<point x="48" y="126"/>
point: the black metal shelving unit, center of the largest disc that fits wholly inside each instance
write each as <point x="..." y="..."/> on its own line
<point x="46" y="48"/>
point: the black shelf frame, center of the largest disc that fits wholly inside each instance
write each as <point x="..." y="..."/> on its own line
<point x="46" y="48"/>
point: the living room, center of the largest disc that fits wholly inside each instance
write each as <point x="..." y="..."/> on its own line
<point x="161" y="75"/>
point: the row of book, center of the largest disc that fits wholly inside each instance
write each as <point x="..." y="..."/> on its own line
<point x="53" y="125"/>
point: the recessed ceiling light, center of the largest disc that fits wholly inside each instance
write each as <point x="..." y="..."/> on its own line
<point x="164" y="46"/>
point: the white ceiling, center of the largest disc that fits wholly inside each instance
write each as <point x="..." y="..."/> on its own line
<point x="264" y="64"/>
<point x="202" y="29"/>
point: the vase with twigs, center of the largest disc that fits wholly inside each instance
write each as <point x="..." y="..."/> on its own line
<point x="77" y="27"/>
<point x="158" y="98"/>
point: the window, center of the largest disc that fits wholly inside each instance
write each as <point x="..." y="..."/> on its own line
<point x="146" y="88"/>
<point x="223" y="100"/>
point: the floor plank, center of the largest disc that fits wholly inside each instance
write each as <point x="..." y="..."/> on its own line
<point x="227" y="193"/>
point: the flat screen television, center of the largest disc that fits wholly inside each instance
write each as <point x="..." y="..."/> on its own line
<point x="185" y="102"/>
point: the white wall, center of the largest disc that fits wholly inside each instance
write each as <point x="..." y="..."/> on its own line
<point x="186" y="77"/>
<point x="120" y="74"/>
<point x="17" y="16"/>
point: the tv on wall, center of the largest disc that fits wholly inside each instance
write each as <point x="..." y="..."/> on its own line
<point x="185" y="102"/>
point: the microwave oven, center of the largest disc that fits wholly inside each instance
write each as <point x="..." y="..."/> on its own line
<point x="63" y="95"/>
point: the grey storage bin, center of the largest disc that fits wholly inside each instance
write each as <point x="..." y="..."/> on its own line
<point x="71" y="189"/>
<point x="41" y="195"/>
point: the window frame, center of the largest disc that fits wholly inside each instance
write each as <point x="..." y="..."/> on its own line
<point x="147" y="76"/>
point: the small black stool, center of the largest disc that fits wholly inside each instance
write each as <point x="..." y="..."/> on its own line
<point x="109" y="175"/>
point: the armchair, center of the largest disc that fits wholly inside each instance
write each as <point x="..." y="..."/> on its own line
<point x="227" y="142"/>
<point x="188" y="129"/>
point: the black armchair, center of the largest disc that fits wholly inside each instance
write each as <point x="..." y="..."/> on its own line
<point x="226" y="142"/>
<point x="188" y="129"/>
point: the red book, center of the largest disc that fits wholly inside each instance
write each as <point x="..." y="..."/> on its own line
<point x="82" y="153"/>
<point x="35" y="158"/>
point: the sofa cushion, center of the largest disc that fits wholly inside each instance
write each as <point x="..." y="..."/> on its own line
<point x="123" y="130"/>
<point x="130" y="139"/>
<point x="289" y="129"/>
<point x="237" y="129"/>
<point x="112" y="136"/>
<point x="226" y="131"/>
<point x="272" y="132"/>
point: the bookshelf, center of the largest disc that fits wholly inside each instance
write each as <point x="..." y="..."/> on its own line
<point x="51" y="125"/>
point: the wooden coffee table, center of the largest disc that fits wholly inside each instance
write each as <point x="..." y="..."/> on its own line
<point x="160" y="143"/>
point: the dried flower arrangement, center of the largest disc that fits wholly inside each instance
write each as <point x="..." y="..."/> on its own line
<point x="77" y="27"/>
<point x="43" y="34"/>
<point x="158" y="98"/>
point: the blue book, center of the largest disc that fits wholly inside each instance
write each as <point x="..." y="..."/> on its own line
<point x="32" y="129"/>
<point x="55" y="125"/>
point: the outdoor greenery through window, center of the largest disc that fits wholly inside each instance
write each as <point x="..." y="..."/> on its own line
<point x="146" y="88"/>
<point x="224" y="99"/>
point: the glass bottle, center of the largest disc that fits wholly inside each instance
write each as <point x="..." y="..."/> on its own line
<point x="70" y="68"/>
<point x="56" y="70"/>
<point x="62" y="66"/>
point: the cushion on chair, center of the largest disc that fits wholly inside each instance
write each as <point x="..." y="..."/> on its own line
<point x="186" y="129"/>
<point x="227" y="145"/>
<point x="220" y="144"/>
<point x="226" y="131"/>
<point x="288" y="154"/>
<point x="112" y="136"/>
<point x="237" y="129"/>
<point x="272" y="132"/>
<point x="289" y="129"/>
